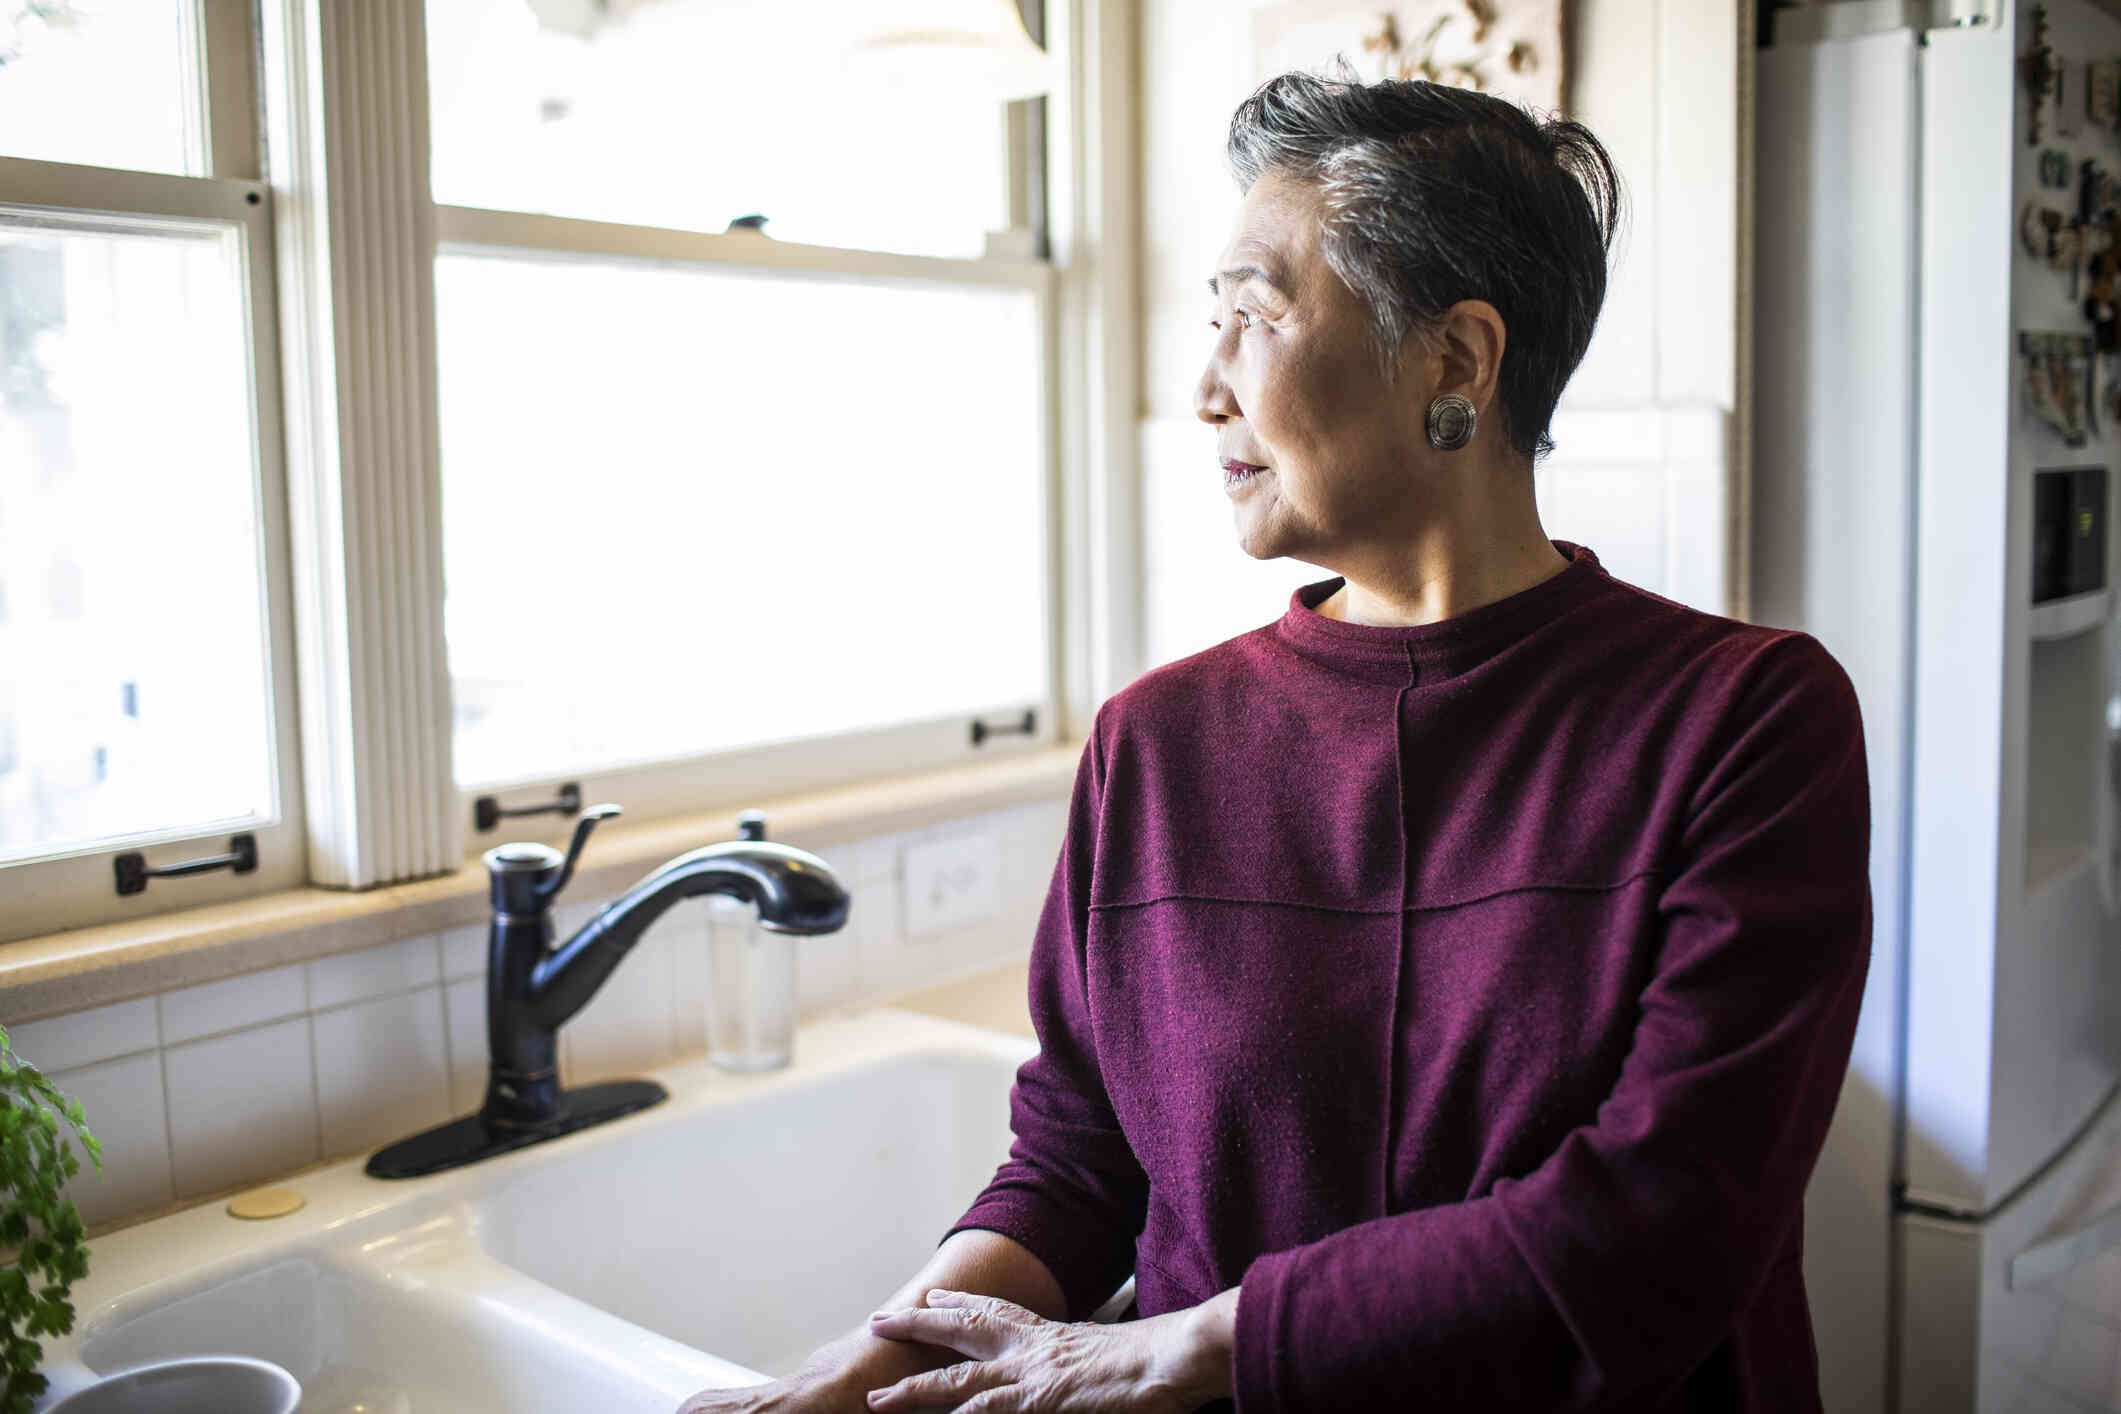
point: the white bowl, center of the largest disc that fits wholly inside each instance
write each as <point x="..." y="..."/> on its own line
<point x="199" y="1384"/>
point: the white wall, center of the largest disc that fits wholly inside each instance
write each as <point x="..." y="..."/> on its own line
<point x="1644" y="432"/>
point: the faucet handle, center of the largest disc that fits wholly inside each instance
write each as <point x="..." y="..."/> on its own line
<point x="582" y="828"/>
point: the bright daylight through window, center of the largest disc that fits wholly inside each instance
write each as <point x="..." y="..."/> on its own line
<point x="666" y="115"/>
<point x="695" y="509"/>
<point x="134" y="692"/>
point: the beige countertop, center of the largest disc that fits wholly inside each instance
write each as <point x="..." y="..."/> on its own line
<point x="998" y="999"/>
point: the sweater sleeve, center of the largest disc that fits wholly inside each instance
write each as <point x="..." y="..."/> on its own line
<point x="1606" y="1275"/>
<point x="1071" y="1190"/>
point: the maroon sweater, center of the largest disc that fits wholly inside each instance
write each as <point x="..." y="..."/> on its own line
<point x="1475" y="994"/>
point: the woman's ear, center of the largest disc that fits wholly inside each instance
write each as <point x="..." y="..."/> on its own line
<point x="1471" y="337"/>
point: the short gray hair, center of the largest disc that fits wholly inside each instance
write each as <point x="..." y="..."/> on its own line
<point x="1432" y="194"/>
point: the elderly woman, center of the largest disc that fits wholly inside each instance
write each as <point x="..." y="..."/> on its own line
<point x="1443" y="990"/>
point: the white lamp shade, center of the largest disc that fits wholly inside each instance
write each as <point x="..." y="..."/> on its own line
<point x="966" y="46"/>
<point x="947" y="49"/>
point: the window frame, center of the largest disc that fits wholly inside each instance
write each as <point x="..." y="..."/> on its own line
<point x="75" y="887"/>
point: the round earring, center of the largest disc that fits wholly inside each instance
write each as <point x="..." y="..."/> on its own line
<point x="1451" y="419"/>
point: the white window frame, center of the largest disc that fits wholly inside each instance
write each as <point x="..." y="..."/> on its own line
<point x="76" y="887"/>
<point x="340" y="240"/>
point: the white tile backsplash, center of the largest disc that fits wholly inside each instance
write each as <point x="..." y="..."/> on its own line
<point x="64" y="1042"/>
<point x="631" y="1022"/>
<point x="382" y="1070"/>
<point x="464" y="952"/>
<point x="374" y="972"/>
<point x="242" y="1107"/>
<point x="464" y="1016"/>
<point x="232" y="1004"/>
<point x="123" y="1105"/>
<point x="236" y="1082"/>
<point x="689" y="974"/>
<point x="888" y="962"/>
<point x="828" y="968"/>
<point x="872" y="859"/>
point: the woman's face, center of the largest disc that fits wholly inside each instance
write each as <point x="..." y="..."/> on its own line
<point x="1293" y="386"/>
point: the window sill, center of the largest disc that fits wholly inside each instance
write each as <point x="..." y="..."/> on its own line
<point x="114" y="962"/>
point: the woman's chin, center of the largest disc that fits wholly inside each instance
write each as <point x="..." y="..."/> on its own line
<point x="1258" y="541"/>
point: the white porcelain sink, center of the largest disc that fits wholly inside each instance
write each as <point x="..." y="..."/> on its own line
<point x="715" y="1239"/>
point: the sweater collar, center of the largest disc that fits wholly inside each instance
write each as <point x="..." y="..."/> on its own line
<point x="1443" y="648"/>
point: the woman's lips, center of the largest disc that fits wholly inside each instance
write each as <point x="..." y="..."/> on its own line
<point x="1233" y="465"/>
<point x="1237" y="473"/>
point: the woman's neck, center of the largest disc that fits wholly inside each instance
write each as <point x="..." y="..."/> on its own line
<point x="1446" y="582"/>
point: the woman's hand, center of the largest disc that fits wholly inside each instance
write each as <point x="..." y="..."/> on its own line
<point x="1022" y="1361"/>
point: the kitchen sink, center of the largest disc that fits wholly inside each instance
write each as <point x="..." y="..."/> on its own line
<point x="780" y="1223"/>
<point x="716" y="1239"/>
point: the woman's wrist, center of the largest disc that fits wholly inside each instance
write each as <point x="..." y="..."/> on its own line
<point x="1202" y="1369"/>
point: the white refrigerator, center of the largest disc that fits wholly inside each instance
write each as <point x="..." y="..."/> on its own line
<point x="1963" y="1228"/>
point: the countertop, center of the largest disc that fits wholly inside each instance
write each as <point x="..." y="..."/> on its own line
<point x="998" y="999"/>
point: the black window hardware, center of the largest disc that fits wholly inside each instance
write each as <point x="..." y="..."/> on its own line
<point x="133" y="873"/>
<point x="487" y="811"/>
<point x="981" y="731"/>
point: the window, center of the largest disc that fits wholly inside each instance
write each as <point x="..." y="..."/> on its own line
<point x="705" y="492"/>
<point x="689" y="115"/>
<point x="706" y="407"/>
<point x="145" y="690"/>
<point x="771" y="506"/>
<point x="102" y="84"/>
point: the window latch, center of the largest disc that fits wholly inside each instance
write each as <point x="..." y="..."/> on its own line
<point x="981" y="731"/>
<point x="133" y="873"/>
<point x="487" y="811"/>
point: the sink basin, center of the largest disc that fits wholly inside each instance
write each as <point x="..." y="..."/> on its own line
<point x="714" y="1240"/>
<point x="779" y="1225"/>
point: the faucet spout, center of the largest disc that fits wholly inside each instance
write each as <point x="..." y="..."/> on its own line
<point x="795" y="892"/>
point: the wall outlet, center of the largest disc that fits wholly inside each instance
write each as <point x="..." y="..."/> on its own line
<point x="952" y="882"/>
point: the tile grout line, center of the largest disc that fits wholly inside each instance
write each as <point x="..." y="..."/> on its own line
<point x="449" y="1048"/>
<point x="169" y="1123"/>
<point x="316" y="1076"/>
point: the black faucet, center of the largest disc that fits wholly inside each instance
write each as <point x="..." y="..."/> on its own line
<point x="533" y="987"/>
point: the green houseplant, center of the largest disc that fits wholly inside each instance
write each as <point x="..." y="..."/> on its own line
<point x="41" y="1251"/>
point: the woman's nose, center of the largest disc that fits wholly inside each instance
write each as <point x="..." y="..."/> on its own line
<point x="1213" y="402"/>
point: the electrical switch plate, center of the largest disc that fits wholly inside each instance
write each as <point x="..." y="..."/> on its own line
<point x="951" y="882"/>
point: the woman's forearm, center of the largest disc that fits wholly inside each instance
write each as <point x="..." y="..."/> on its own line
<point x="973" y="1260"/>
<point x="990" y="1264"/>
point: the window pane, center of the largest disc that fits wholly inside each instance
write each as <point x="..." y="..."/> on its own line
<point x="133" y="679"/>
<point x="665" y="489"/>
<point x="689" y="115"/>
<point x="109" y="83"/>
